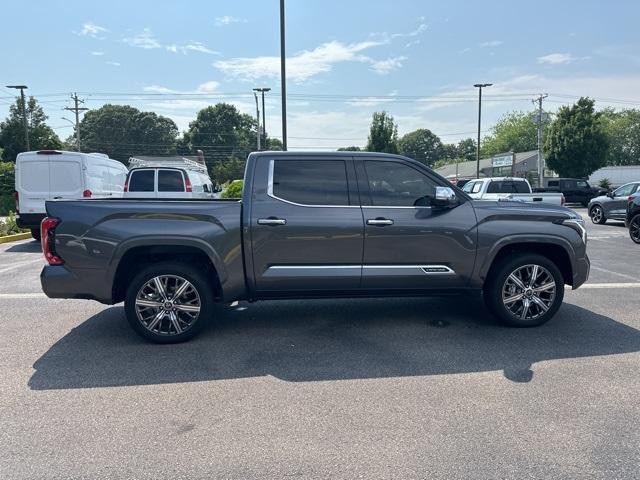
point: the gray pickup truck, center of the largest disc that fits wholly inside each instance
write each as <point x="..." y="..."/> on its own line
<point x="309" y="225"/>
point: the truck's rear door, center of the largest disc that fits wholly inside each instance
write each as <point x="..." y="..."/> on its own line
<point x="32" y="181"/>
<point x="306" y="225"/>
<point x="66" y="180"/>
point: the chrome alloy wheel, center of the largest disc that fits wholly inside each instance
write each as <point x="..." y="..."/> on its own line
<point x="528" y="292"/>
<point x="634" y="229"/>
<point x="596" y="214"/>
<point x="167" y="305"/>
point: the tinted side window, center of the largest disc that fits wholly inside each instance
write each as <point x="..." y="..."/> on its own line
<point x="170" y="181"/>
<point x="395" y="184"/>
<point x="311" y="182"/>
<point x="495" y="187"/>
<point x="624" y="190"/>
<point x="141" y="181"/>
<point x="582" y="184"/>
<point x="552" y="183"/>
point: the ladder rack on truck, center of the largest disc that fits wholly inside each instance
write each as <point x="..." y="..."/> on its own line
<point x="175" y="162"/>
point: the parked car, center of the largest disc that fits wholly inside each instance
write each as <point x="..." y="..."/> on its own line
<point x="633" y="216"/>
<point x="613" y="205"/>
<point x="503" y="188"/>
<point x="53" y="174"/>
<point x="329" y="224"/>
<point x="575" y="190"/>
<point x="167" y="182"/>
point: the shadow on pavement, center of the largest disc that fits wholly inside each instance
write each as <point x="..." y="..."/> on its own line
<point x="26" y="247"/>
<point x="302" y="341"/>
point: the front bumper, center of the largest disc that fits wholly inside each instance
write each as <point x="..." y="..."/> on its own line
<point x="29" y="220"/>
<point x="88" y="283"/>
<point x="581" y="271"/>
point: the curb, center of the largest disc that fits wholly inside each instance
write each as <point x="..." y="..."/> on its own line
<point x="14" y="238"/>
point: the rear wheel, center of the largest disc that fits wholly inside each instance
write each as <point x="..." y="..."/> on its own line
<point x="634" y="228"/>
<point x="524" y="290"/>
<point x="169" y="302"/>
<point x="597" y="215"/>
<point x="35" y="233"/>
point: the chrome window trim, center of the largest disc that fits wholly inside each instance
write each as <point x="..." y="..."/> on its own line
<point x="275" y="197"/>
<point x="441" y="269"/>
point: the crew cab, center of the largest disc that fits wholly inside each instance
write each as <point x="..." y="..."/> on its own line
<point x="575" y="190"/>
<point x="310" y="225"/>
<point x="508" y="188"/>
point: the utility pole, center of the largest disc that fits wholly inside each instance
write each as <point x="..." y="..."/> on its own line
<point x="479" y="86"/>
<point x="255" y="95"/>
<point x="540" y="125"/>
<point x="283" y="78"/>
<point x="22" y="88"/>
<point x="262" y="90"/>
<point x="76" y="109"/>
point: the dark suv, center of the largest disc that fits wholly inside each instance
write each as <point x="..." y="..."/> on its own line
<point x="633" y="217"/>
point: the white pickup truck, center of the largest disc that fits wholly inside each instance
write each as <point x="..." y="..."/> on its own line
<point x="508" y="188"/>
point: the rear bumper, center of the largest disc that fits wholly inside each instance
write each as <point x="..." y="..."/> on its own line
<point x="59" y="282"/>
<point x="29" y="220"/>
<point x="581" y="271"/>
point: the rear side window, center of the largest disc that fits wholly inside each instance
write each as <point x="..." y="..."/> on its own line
<point x="582" y="184"/>
<point x="311" y="182"/>
<point x="170" y="181"/>
<point x="552" y="183"/>
<point x="65" y="177"/>
<point x="141" y="181"/>
<point x="34" y="176"/>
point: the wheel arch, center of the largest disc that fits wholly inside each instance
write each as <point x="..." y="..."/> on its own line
<point x="137" y="255"/>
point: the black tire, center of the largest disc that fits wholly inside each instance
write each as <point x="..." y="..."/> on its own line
<point x="203" y="287"/>
<point x="35" y="233"/>
<point x="596" y="214"/>
<point x="497" y="280"/>
<point x="634" y="229"/>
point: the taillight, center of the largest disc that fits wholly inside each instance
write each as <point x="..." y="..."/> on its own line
<point x="187" y="184"/>
<point x="87" y="194"/>
<point x="47" y="228"/>
<point x="631" y="199"/>
<point x="49" y="152"/>
<point x="17" y="202"/>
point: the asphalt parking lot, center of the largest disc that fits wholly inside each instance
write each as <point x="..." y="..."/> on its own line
<point x="378" y="388"/>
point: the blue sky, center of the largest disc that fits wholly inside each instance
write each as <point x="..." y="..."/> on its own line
<point x="416" y="59"/>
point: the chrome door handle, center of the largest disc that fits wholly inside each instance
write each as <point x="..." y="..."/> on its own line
<point x="381" y="222"/>
<point x="272" y="221"/>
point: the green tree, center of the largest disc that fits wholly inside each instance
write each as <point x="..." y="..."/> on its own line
<point x="576" y="144"/>
<point x="350" y="149"/>
<point x="383" y="134"/>
<point x="515" y="132"/>
<point x="623" y="130"/>
<point x="467" y="149"/>
<point x="41" y="136"/>
<point x="122" y="131"/>
<point x="422" y="145"/>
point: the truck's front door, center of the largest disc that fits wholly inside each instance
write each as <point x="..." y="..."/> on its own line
<point x="409" y="243"/>
<point x="306" y="225"/>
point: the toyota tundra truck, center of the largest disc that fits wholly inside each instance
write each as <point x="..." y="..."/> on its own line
<point x="312" y="225"/>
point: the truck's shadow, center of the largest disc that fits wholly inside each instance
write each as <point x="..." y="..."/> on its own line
<point x="327" y="340"/>
<point x="26" y="247"/>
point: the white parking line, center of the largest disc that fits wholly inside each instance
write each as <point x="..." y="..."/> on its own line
<point x="611" y="285"/>
<point x="22" y="295"/>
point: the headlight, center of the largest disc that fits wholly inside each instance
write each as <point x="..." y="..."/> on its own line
<point x="578" y="225"/>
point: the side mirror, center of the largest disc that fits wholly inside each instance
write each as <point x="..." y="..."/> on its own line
<point x="444" y="197"/>
<point x="610" y="194"/>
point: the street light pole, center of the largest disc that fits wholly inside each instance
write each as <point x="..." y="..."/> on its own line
<point x="22" y="88"/>
<point x="262" y="90"/>
<point x="479" y="86"/>
<point x="283" y="78"/>
<point x="255" y="95"/>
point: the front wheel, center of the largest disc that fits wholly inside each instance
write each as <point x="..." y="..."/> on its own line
<point x="169" y="302"/>
<point x="597" y="215"/>
<point x="634" y="228"/>
<point x="524" y="290"/>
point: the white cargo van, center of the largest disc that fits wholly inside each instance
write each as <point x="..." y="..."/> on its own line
<point x="53" y="174"/>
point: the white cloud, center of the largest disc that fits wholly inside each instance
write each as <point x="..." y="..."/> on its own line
<point x="464" y="50"/>
<point x="300" y="67"/>
<point x="144" y="39"/>
<point x="227" y="20"/>
<point x="207" y="87"/>
<point x="556" y="59"/>
<point x="191" y="47"/>
<point x="90" y="29"/>
<point x="115" y="64"/>
<point x="97" y="53"/>
<point x="491" y="44"/>
<point x="383" y="67"/>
